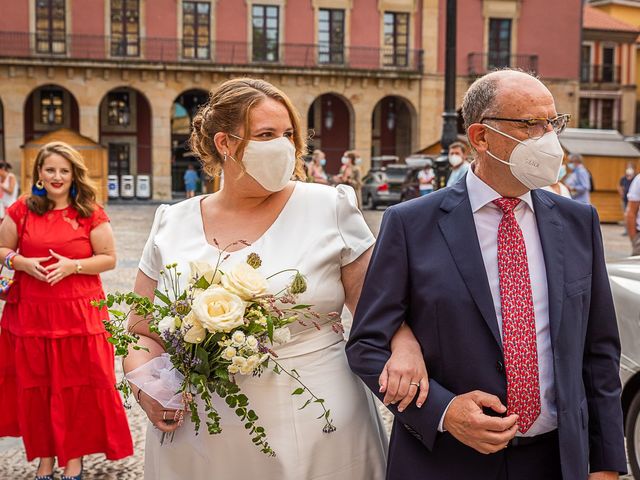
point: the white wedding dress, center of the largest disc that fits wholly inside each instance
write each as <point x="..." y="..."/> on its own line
<point x="319" y="230"/>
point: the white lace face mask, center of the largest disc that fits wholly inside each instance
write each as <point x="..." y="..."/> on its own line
<point x="270" y="163"/>
<point x="535" y="163"/>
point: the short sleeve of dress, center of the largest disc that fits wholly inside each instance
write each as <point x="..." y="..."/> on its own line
<point x="355" y="233"/>
<point x="151" y="260"/>
<point x="98" y="217"/>
<point x="17" y="211"/>
<point x="634" y="190"/>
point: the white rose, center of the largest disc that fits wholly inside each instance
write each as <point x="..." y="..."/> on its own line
<point x="167" y="324"/>
<point x="193" y="330"/>
<point x="219" y="310"/>
<point x="239" y="361"/>
<point x="244" y="281"/>
<point x="246" y="369"/>
<point x="281" y="335"/>
<point x="252" y="342"/>
<point x="238" y="338"/>
<point x="233" y="369"/>
<point x="203" y="269"/>
<point x="229" y="353"/>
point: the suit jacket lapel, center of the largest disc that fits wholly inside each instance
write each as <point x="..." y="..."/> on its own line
<point x="550" y="230"/>
<point x="459" y="231"/>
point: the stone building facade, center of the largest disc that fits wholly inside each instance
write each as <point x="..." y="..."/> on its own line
<point x="364" y="74"/>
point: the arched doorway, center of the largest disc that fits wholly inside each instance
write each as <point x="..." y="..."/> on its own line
<point x="392" y="127"/>
<point x="183" y="110"/>
<point x="49" y="108"/>
<point x="125" y="130"/>
<point x="330" y="119"/>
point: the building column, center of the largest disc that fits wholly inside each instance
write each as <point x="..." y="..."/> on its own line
<point x="362" y="112"/>
<point x="161" y="146"/>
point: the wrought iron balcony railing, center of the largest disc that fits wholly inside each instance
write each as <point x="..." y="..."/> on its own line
<point x="171" y="50"/>
<point x="605" y="73"/>
<point x="480" y="63"/>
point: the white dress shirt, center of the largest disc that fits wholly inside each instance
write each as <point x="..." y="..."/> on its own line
<point x="487" y="217"/>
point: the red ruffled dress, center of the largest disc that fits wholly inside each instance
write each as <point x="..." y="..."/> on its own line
<point x="57" y="379"/>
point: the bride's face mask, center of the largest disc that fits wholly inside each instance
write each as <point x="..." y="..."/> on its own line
<point x="270" y="163"/>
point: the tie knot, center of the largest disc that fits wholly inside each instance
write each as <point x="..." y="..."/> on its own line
<point x="507" y="204"/>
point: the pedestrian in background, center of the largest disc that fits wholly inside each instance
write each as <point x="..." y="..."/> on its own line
<point x="425" y="178"/>
<point x="191" y="179"/>
<point x="458" y="162"/>
<point x="625" y="184"/>
<point x="579" y="180"/>
<point x="350" y="173"/>
<point x="56" y="365"/>
<point x="8" y="185"/>
<point x="632" y="215"/>
<point x="316" y="167"/>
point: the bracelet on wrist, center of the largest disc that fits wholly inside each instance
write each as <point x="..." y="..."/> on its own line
<point x="8" y="260"/>
<point x="78" y="267"/>
<point x="138" y="395"/>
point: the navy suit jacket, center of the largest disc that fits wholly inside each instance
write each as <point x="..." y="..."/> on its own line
<point x="427" y="270"/>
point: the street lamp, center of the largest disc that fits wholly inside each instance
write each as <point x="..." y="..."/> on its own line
<point x="449" y="116"/>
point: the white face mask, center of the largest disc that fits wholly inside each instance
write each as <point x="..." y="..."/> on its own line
<point x="629" y="171"/>
<point x="344" y="160"/>
<point x="358" y="161"/>
<point x="455" y="160"/>
<point x="535" y="163"/>
<point x="270" y="163"/>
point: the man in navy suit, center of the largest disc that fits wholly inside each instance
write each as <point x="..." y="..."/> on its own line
<point x="505" y="287"/>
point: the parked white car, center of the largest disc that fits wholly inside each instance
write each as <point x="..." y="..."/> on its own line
<point x="624" y="276"/>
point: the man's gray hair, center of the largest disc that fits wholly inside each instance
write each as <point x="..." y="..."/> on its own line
<point x="575" y="157"/>
<point x="479" y="100"/>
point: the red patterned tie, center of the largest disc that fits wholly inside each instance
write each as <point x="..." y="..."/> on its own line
<point x="518" y="319"/>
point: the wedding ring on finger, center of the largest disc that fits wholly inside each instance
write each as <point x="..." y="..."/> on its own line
<point x="164" y="415"/>
<point x="415" y="384"/>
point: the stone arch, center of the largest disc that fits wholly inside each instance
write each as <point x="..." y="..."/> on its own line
<point x="394" y="123"/>
<point x="330" y="125"/>
<point x="49" y="107"/>
<point x="183" y="109"/>
<point x="125" y="129"/>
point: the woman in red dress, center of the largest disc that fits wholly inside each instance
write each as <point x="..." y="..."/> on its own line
<point x="56" y="365"/>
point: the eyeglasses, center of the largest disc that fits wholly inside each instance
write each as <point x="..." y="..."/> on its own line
<point x="537" y="127"/>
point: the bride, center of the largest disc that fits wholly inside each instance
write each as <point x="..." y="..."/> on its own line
<point x="251" y="132"/>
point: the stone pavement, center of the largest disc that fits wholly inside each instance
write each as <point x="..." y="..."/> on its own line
<point x="131" y="224"/>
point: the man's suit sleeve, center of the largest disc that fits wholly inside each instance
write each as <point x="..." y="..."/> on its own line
<point x="601" y="365"/>
<point x="382" y="308"/>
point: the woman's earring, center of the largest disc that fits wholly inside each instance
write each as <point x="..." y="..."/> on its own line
<point x="38" y="189"/>
<point x="224" y="158"/>
<point x="74" y="190"/>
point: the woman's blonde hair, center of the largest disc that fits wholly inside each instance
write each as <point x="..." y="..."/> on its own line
<point x="85" y="200"/>
<point x="228" y="108"/>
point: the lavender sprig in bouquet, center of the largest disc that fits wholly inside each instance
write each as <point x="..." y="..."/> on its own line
<point x="222" y="325"/>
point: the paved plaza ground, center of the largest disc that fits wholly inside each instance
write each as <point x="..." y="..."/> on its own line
<point x="131" y="224"/>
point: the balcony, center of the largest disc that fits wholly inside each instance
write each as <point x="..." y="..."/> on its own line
<point x="480" y="63"/>
<point x="90" y="48"/>
<point x="598" y="74"/>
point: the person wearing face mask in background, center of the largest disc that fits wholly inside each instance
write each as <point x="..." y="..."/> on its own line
<point x="251" y="131"/>
<point x="356" y="178"/>
<point x="624" y="184"/>
<point x="506" y="288"/>
<point x="579" y="180"/>
<point x="458" y="162"/>
<point x="560" y="188"/>
<point x="316" y="167"/>
<point x="345" y="175"/>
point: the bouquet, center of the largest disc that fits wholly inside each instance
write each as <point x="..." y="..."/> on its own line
<point x="223" y="324"/>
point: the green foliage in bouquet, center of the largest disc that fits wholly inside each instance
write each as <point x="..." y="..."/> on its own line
<point x="222" y="325"/>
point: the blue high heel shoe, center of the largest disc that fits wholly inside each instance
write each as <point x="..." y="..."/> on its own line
<point x="46" y="477"/>
<point x="76" y="477"/>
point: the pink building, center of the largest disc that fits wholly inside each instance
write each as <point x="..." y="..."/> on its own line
<point x="364" y="74"/>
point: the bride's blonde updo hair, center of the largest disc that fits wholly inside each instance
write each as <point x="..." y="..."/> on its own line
<point x="228" y="108"/>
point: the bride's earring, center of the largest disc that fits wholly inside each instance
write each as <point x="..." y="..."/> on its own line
<point x="224" y="158"/>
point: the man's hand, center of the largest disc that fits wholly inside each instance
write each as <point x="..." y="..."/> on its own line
<point x="604" y="476"/>
<point x="467" y="423"/>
